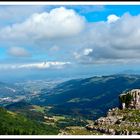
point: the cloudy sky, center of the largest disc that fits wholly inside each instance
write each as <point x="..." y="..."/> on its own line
<point x="84" y="39"/>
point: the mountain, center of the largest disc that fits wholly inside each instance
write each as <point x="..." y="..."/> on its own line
<point x="27" y="109"/>
<point x="7" y="89"/>
<point x="19" y="105"/>
<point x="118" y="122"/>
<point x="87" y="97"/>
<point x="12" y="123"/>
<point x="11" y="92"/>
<point x="121" y="121"/>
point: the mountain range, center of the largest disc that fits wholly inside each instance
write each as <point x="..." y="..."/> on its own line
<point x="87" y="97"/>
<point x="84" y="97"/>
<point x="65" y="107"/>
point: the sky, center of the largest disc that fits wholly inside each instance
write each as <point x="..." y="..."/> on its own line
<point x="69" y="40"/>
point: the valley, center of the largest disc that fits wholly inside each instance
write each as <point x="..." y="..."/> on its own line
<point x="68" y="106"/>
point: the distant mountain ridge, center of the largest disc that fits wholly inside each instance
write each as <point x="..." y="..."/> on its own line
<point x="87" y="97"/>
<point x="10" y="90"/>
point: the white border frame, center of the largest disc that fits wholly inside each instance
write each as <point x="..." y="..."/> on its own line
<point x="70" y="3"/>
<point x="69" y="136"/>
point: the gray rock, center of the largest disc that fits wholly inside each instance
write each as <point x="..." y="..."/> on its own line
<point x="134" y="101"/>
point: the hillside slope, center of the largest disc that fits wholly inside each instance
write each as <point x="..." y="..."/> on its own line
<point x="118" y="121"/>
<point x="89" y="97"/>
<point x="14" y="124"/>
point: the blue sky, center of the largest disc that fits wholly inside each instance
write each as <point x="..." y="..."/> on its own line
<point x="73" y="39"/>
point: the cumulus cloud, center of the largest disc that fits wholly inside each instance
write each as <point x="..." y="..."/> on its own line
<point x="39" y="65"/>
<point x="66" y="33"/>
<point x="113" y="43"/>
<point x="18" y="52"/>
<point x="112" y="18"/>
<point x="59" y="22"/>
<point x="83" y="55"/>
<point x="87" y="51"/>
<point x="11" y="14"/>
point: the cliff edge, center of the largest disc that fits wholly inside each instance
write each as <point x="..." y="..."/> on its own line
<point x="130" y="99"/>
<point x="121" y="121"/>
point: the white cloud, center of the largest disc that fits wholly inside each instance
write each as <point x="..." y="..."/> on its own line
<point x="112" y="43"/>
<point x="66" y="34"/>
<point x="11" y="14"/>
<point x="87" y="51"/>
<point x="59" y="22"/>
<point x="83" y="53"/>
<point x="45" y="65"/>
<point x="18" y="52"/>
<point x="39" y="65"/>
<point x="112" y="18"/>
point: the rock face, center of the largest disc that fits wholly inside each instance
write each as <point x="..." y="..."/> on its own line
<point x="130" y="99"/>
<point x="124" y="121"/>
<point x="118" y="122"/>
<point x="111" y="118"/>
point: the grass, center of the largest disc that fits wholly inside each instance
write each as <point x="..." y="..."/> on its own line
<point x="13" y="114"/>
<point x="75" y="130"/>
<point x="39" y="108"/>
<point x="57" y="118"/>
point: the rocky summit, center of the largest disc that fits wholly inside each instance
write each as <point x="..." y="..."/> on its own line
<point x="130" y="99"/>
<point x="121" y="121"/>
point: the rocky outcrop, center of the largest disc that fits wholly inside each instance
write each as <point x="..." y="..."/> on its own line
<point x="112" y="118"/>
<point x="118" y="122"/>
<point x="121" y="121"/>
<point x="130" y="99"/>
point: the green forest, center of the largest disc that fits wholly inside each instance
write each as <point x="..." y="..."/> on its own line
<point x="16" y="124"/>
